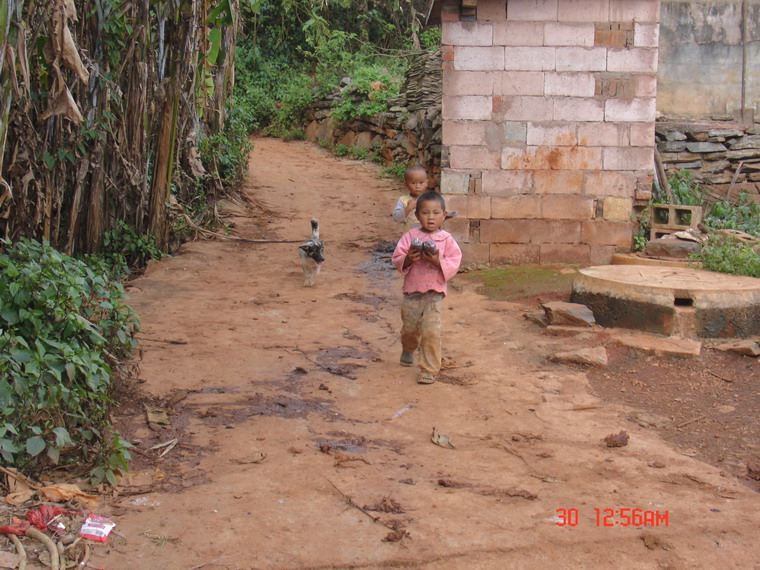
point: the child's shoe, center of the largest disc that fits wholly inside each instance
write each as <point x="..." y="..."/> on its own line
<point x="407" y="359"/>
<point x="425" y="378"/>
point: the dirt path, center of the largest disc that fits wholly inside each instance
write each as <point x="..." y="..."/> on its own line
<point x="310" y="377"/>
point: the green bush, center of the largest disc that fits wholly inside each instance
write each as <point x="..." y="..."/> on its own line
<point x="63" y="324"/>
<point x="341" y="150"/>
<point x="727" y="255"/>
<point x="396" y="171"/>
<point x="123" y="249"/>
<point x="431" y="38"/>
<point x="743" y="216"/>
<point x="297" y="97"/>
<point x="359" y="153"/>
<point x="255" y="105"/>
<point x="685" y="190"/>
<point x="368" y="94"/>
<point x="229" y="149"/>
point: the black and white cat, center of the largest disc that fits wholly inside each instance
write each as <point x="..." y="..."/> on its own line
<point x="312" y="253"/>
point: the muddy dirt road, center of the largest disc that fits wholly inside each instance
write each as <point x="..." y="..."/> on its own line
<point x="350" y="478"/>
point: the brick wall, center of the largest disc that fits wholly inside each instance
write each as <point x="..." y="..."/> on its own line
<point x="548" y="132"/>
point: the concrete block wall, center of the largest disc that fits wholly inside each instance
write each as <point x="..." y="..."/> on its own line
<point x="548" y="126"/>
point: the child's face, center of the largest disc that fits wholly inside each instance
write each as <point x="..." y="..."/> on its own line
<point x="416" y="182"/>
<point x="431" y="215"/>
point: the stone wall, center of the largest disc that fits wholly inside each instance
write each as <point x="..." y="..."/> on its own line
<point x="409" y="133"/>
<point x="713" y="153"/>
<point x="548" y="126"/>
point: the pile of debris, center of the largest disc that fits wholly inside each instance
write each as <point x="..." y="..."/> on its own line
<point x="683" y="244"/>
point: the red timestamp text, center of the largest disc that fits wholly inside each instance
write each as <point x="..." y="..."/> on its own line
<point x="615" y="517"/>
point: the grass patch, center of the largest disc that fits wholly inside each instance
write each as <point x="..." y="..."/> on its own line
<point x="520" y="281"/>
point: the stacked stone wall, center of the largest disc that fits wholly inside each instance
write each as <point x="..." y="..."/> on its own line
<point x="723" y="157"/>
<point x="409" y="133"/>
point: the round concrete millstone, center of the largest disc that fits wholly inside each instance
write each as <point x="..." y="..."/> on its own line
<point x="655" y="299"/>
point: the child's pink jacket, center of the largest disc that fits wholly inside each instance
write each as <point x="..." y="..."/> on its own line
<point x="422" y="276"/>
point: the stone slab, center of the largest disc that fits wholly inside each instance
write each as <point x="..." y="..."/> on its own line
<point x="573" y="314"/>
<point x="658" y="344"/>
<point x="568" y="331"/>
<point x="745" y="347"/>
<point x="596" y="356"/>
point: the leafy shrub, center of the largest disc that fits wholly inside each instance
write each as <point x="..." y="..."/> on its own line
<point x="124" y="249"/>
<point x="228" y="150"/>
<point x="744" y="215"/>
<point x="296" y="133"/>
<point x="334" y="56"/>
<point x="341" y="150"/>
<point x="686" y="191"/>
<point x="297" y="97"/>
<point x="60" y="320"/>
<point x="368" y="94"/>
<point x="396" y="171"/>
<point x="359" y="152"/>
<point x="255" y="106"/>
<point x="727" y="255"/>
<point x="431" y="38"/>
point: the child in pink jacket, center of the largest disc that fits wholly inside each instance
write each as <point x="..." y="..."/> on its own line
<point x="428" y="257"/>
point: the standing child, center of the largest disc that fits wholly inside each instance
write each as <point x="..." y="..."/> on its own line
<point x="416" y="181"/>
<point x="428" y="257"/>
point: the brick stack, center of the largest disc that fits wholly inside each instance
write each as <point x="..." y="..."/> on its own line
<point x="548" y="132"/>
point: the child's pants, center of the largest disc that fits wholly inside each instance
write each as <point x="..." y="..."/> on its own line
<point x="421" y="328"/>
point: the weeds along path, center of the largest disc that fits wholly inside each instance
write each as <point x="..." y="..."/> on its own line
<point x="250" y="363"/>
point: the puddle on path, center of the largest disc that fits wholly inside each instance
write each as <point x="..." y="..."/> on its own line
<point x="350" y="443"/>
<point x="379" y="268"/>
<point x="281" y="406"/>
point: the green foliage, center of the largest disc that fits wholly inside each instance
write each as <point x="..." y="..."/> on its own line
<point x="685" y="190"/>
<point x="744" y="215"/>
<point x="116" y="29"/>
<point x="333" y="58"/>
<point x="641" y="238"/>
<point x="296" y="98"/>
<point x="359" y="153"/>
<point x="643" y="229"/>
<point x="60" y="319"/>
<point x="431" y="38"/>
<point x="228" y="149"/>
<point x="295" y="133"/>
<point x="298" y="52"/>
<point x="123" y="248"/>
<point x="368" y="94"/>
<point x="720" y="253"/>
<point x="396" y="171"/>
<point x="727" y="255"/>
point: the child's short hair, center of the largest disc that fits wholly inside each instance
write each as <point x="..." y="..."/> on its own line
<point x="430" y="195"/>
<point x="414" y="168"/>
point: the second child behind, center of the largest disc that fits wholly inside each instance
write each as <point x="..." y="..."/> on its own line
<point x="416" y="181"/>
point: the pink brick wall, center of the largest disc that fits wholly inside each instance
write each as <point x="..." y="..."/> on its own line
<point x="549" y="109"/>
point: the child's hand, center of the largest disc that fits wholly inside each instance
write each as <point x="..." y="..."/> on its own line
<point x="411" y="257"/>
<point x="411" y="205"/>
<point x="435" y="258"/>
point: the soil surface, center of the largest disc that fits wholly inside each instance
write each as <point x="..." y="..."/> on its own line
<point x="301" y="442"/>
